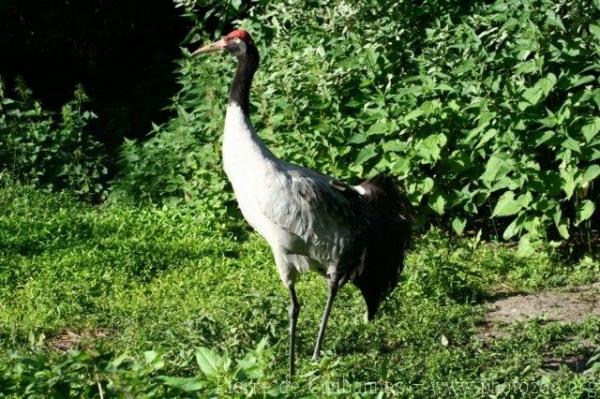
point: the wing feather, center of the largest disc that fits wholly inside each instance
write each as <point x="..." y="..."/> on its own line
<point x="311" y="205"/>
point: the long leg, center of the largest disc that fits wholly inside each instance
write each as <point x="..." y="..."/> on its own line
<point x="333" y="287"/>
<point x="293" y="312"/>
<point x="288" y="274"/>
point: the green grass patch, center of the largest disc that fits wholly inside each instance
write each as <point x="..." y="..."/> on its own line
<point x="124" y="301"/>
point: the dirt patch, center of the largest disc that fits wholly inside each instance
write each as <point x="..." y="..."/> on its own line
<point x="70" y="340"/>
<point x="577" y="364"/>
<point x="568" y="306"/>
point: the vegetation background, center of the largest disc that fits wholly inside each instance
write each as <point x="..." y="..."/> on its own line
<point x="122" y="252"/>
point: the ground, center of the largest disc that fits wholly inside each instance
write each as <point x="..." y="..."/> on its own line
<point x="142" y="301"/>
<point x="571" y="305"/>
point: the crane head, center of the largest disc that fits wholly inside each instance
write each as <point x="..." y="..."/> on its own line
<point x="235" y="42"/>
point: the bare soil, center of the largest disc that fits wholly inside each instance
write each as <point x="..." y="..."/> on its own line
<point x="69" y="340"/>
<point x="572" y="305"/>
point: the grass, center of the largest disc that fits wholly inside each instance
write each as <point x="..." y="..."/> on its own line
<point x="125" y="301"/>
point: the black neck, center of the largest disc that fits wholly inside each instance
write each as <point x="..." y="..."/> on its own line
<point x="240" y="88"/>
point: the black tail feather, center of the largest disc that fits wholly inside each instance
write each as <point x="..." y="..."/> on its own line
<point x="384" y="239"/>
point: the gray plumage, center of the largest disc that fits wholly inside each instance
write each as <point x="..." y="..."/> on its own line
<point x="311" y="221"/>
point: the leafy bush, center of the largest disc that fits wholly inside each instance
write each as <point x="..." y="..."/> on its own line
<point x="485" y="112"/>
<point x="180" y="162"/>
<point x="50" y="151"/>
<point x="501" y="118"/>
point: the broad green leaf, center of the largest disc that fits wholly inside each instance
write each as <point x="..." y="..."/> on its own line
<point x="583" y="80"/>
<point x="208" y="361"/>
<point x="429" y="149"/>
<point x="572" y="145"/>
<point x="458" y="225"/>
<point x="154" y="359"/>
<point x="507" y="205"/>
<point x="591" y="129"/>
<point x="378" y="128"/>
<point x="595" y="30"/>
<point x="358" y="139"/>
<point x="540" y="90"/>
<point x="484" y="119"/>
<point x="525" y="248"/>
<point x="504" y="182"/>
<point x="525" y="199"/>
<point x="414" y="114"/>
<point x="512" y="229"/>
<point x="523" y="105"/>
<point x="429" y="107"/>
<point x="554" y="20"/>
<point x="496" y="168"/>
<point x="365" y="154"/>
<point x="532" y="95"/>
<point x="426" y="185"/>
<point x="526" y="67"/>
<point x="548" y="134"/>
<point x="401" y="167"/>
<point x="563" y="230"/>
<point x="585" y="210"/>
<point x="248" y="369"/>
<point x="547" y="83"/>
<point x="184" y="383"/>
<point x="150" y="356"/>
<point x="568" y="182"/>
<point x="549" y="121"/>
<point x="487" y="136"/>
<point x="533" y="225"/>
<point x="437" y="203"/>
<point x="464" y="67"/>
<point x="394" y="146"/>
<point x="592" y="172"/>
<point x="561" y="223"/>
<point x="444" y="87"/>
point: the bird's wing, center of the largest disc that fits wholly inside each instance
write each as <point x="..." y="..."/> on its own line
<point x="307" y="203"/>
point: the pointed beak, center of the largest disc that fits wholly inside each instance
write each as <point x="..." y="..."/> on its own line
<point x="209" y="48"/>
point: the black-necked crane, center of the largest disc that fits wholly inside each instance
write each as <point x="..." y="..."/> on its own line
<point x="311" y="221"/>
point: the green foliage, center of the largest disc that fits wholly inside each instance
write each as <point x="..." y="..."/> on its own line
<point x="485" y="112"/>
<point x="594" y="362"/>
<point x="50" y="151"/>
<point x="219" y="373"/>
<point x="512" y="89"/>
<point x="444" y="274"/>
<point x="98" y="372"/>
<point x="181" y="161"/>
<point x="133" y="301"/>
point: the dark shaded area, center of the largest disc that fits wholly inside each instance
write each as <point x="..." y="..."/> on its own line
<point x="121" y="51"/>
<point x="577" y="364"/>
